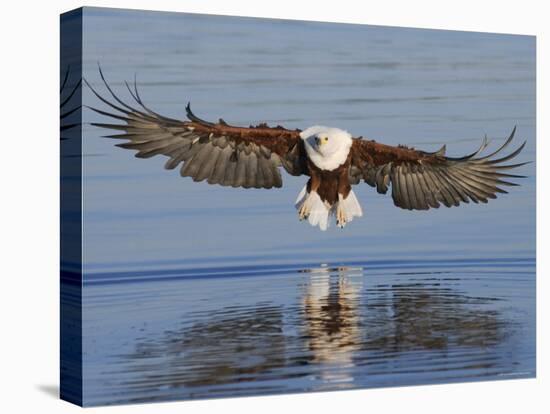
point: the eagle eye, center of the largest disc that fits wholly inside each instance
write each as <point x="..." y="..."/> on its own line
<point x="325" y="138"/>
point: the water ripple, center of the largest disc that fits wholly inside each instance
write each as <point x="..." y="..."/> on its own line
<point x="296" y="328"/>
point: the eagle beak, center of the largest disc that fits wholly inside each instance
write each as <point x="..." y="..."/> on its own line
<point x="319" y="141"/>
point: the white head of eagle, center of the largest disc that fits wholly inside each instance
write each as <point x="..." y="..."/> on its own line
<point x="326" y="147"/>
<point x="252" y="157"/>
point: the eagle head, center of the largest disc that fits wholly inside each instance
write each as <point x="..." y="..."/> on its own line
<point x="327" y="147"/>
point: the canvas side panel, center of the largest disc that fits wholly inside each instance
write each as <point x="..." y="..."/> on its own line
<point x="71" y="207"/>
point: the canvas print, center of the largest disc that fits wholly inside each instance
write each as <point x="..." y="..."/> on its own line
<point x="258" y="206"/>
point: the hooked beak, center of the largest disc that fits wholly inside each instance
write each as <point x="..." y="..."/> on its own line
<point x="319" y="141"/>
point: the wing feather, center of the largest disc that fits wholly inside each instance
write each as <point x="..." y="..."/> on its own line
<point x="403" y="186"/>
<point x="422" y="180"/>
<point x="220" y="167"/>
<point x="420" y="196"/>
<point x="252" y="170"/>
<point x="216" y="152"/>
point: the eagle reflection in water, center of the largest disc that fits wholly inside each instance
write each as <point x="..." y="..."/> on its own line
<point x="331" y="321"/>
<point x="339" y="333"/>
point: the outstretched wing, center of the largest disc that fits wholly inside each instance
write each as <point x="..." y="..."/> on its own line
<point x="421" y="180"/>
<point x="216" y="152"/>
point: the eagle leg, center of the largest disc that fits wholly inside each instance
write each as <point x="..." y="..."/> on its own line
<point x="340" y="216"/>
<point x="346" y="209"/>
<point x="340" y="212"/>
<point x="305" y="209"/>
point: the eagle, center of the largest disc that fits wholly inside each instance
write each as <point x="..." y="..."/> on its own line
<point x="334" y="161"/>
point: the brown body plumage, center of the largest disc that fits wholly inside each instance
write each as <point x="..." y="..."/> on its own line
<point x="328" y="184"/>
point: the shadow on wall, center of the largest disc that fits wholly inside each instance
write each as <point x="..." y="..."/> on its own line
<point x="51" y="390"/>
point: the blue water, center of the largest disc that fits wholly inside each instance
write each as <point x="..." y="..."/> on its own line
<point x="199" y="291"/>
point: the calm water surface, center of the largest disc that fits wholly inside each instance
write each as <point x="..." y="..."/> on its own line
<point x="281" y="329"/>
<point x="197" y="291"/>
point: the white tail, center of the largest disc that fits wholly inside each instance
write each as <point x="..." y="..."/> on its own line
<point x="318" y="212"/>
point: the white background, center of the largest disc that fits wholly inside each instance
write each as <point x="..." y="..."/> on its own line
<point x="29" y="203"/>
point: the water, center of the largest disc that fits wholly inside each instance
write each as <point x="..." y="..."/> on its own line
<point x="198" y="291"/>
<point x="282" y="329"/>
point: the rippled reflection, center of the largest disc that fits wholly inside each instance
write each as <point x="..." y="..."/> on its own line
<point x="342" y="331"/>
<point x="331" y="320"/>
<point x="429" y="315"/>
<point x="232" y="344"/>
